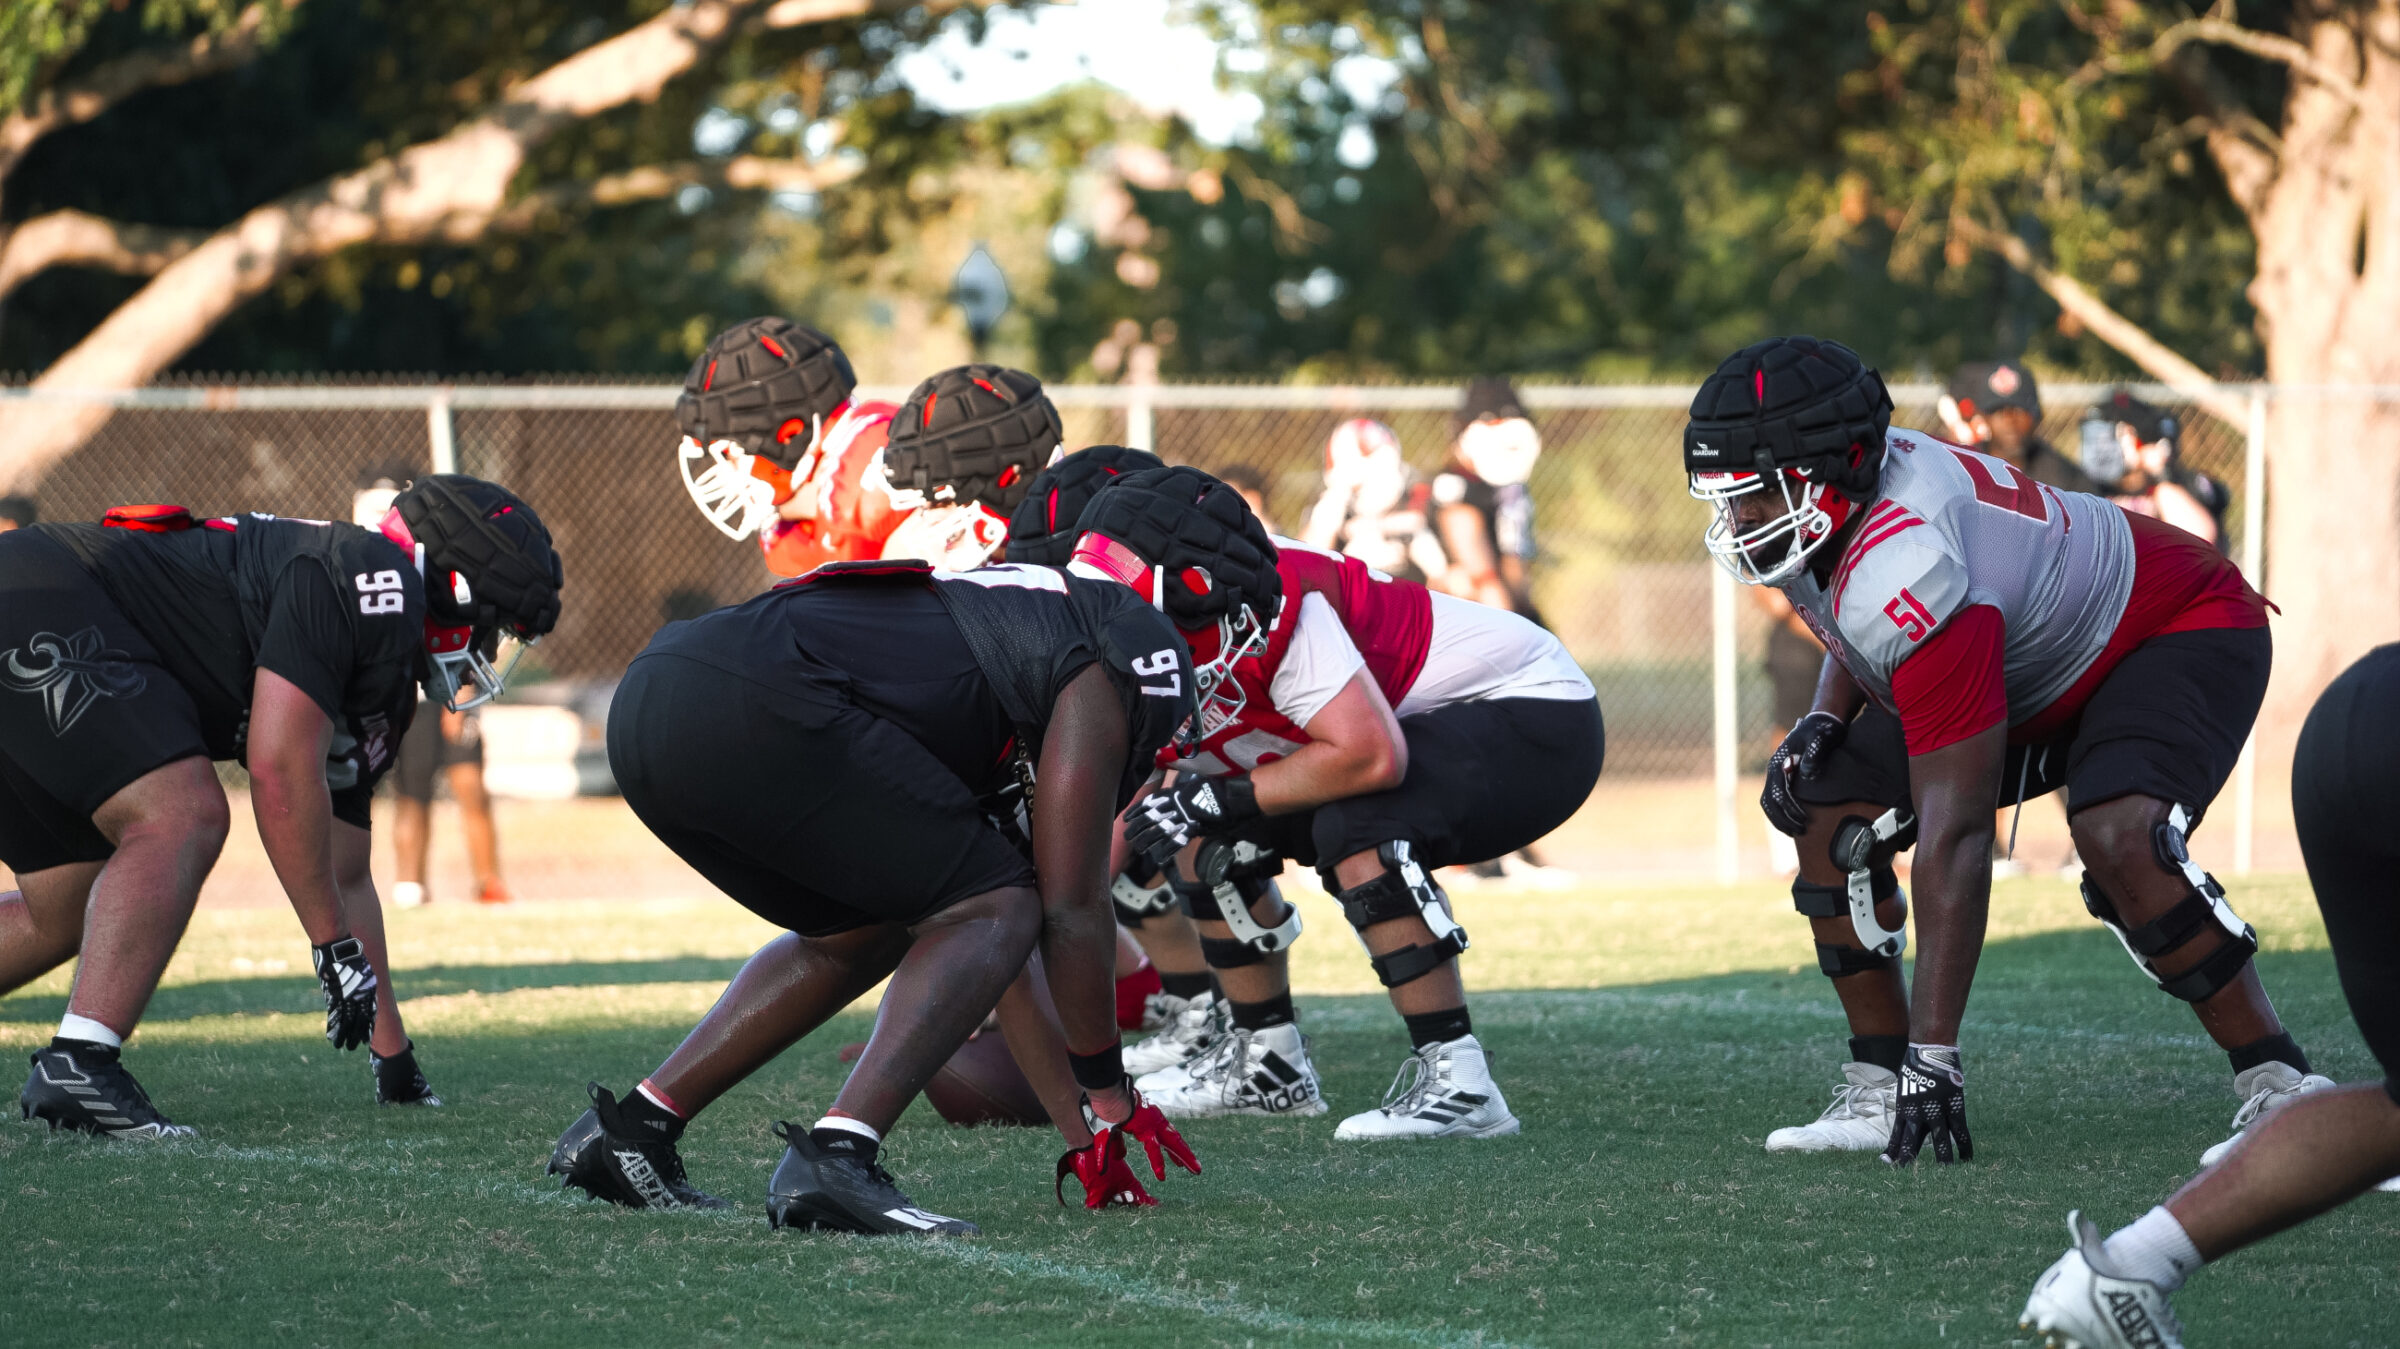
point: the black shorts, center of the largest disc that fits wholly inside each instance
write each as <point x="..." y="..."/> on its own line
<point x="2346" y="808"/>
<point x="1484" y="779"/>
<point x="425" y="752"/>
<point x="807" y="811"/>
<point x="2168" y="722"/>
<point x="85" y="706"/>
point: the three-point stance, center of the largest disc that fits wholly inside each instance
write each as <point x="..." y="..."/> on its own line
<point x="1990" y="639"/>
<point x="133" y="653"/>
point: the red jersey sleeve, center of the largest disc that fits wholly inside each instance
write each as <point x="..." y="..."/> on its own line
<point x="1951" y="687"/>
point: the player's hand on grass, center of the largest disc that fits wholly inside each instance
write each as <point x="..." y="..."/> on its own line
<point x="1159" y="1139"/>
<point x="1166" y="820"/>
<point x="1801" y="754"/>
<point x="349" y="992"/>
<point x="1106" y="1178"/>
<point x="1932" y="1107"/>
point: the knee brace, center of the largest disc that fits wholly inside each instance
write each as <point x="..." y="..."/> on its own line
<point x="1403" y="891"/>
<point x="1233" y="876"/>
<point x="1229" y="953"/>
<point x="1136" y="902"/>
<point x="1863" y="849"/>
<point x="2194" y="913"/>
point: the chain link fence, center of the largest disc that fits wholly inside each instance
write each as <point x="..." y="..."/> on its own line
<point x="1621" y="571"/>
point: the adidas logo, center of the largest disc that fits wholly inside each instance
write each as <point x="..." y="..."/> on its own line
<point x="1452" y="1108"/>
<point x="917" y="1218"/>
<point x="2132" y="1321"/>
<point x="1279" y="1085"/>
<point x="644" y="1178"/>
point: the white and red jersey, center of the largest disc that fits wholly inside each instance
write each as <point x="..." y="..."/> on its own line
<point x="850" y="511"/>
<point x="1963" y="562"/>
<point x="1423" y="650"/>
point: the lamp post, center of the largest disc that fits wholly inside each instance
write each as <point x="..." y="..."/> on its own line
<point x="980" y="290"/>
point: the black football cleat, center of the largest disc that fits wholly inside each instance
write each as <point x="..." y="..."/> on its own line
<point x="87" y="1090"/>
<point x="816" y="1190"/>
<point x="608" y="1156"/>
<point x="398" y="1080"/>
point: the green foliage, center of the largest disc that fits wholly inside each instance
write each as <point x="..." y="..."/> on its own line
<point x="39" y="38"/>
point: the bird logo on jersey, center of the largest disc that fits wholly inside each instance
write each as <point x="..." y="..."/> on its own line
<point x="69" y="674"/>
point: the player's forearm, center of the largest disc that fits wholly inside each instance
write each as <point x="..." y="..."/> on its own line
<point x="1323" y="771"/>
<point x="1030" y="1027"/>
<point x="1837" y="692"/>
<point x="295" y="822"/>
<point x="1953" y="882"/>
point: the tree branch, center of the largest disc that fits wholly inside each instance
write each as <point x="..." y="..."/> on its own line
<point x="75" y="239"/>
<point x="745" y="173"/>
<point x="2161" y="361"/>
<point x="2265" y="46"/>
<point x="115" y="81"/>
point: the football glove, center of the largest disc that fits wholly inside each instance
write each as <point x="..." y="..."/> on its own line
<point x="1157" y="1137"/>
<point x="349" y="992"/>
<point x="1106" y="1178"/>
<point x="1193" y="807"/>
<point x="1932" y="1106"/>
<point x="1802" y="752"/>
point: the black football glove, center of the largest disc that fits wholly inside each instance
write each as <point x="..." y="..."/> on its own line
<point x="1192" y="808"/>
<point x="349" y="992"/>
<point x="1932" y="1107"/>
<point x="1802" y="752"/>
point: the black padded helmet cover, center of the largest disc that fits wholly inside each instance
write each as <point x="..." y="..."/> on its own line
<point x="1799" y="403"/>
<point x="756" y="378"/>
<point x="973" y="433"/>
<point x="1185" y="521"/>
<point x="1043" y="530"/>
<point x="486" y="534"/>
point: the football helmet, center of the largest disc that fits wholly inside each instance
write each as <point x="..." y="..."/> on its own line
<point x="971" y="434"/>
<point x="1043" y="529"/>
<point x="1802" y="417"/>
<point x="754" y="406"/>
<point x="490" y="571"/>
<point x="1363" y="463"/>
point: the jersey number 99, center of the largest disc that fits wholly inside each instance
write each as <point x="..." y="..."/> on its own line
<point x="381" y="593"/>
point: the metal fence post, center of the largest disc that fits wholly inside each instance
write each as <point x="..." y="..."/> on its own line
<point x="439" y="432"/>
<point x="1140" y="430"/>
<point x="1728" y="730"/>
<point x="2254" y="555"/>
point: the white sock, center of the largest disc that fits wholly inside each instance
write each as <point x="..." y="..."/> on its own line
<point x="2154" y="1249"/>
<point x="73" y="1027"/>
<point x="407" y="894"/>
<point x="859" y="1127"/>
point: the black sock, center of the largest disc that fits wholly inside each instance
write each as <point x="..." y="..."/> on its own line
<point x="1433" y="1028"/>
<point x="1275" y="1011"/>
<point x="1884" y="1051"/>
<point x="844" y="1143"/>
<point x="86" y="1049"/>
<point x="635" y="1108"/>
<point x="2279" y="1047"/>
<point x="1184" y="985"/>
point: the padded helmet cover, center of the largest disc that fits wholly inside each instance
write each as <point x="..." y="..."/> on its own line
<point x="1043" y="530"/>
<point x="1185" y="521"/>
<point x="973" y="433"/>
<point x="759" y="376"/>
<point x="485" y="533"/>
<point x="1799" y="403"/>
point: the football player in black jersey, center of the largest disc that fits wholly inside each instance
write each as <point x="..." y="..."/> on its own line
<point x="135" y="652"/>
<point x="915" y="773"/>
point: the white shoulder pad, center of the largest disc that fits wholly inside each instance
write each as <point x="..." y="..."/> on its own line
<point x="1899" y="592"/>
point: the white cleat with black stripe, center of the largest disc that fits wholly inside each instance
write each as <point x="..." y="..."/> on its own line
<point x="1444" y="1090"/>
<point x="1244" y="1072"/>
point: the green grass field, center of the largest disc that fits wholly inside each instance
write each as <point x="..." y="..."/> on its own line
<point x="1648" y="1039"/>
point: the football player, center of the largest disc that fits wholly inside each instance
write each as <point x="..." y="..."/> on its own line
<point x="2133" y="449"/>
<point x="1373" y="507"/>
<point x="1352" y="722"/>
<point x="1483" y="508"/>
<point x="2321" y="1149"/>
<point x="900" y="719"/>
<point x="1990" y="639"/>
<point x="135" y="652"/>
<point x="1996" y="407"/>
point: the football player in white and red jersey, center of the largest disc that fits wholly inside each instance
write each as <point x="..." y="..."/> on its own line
<point x="774" y="445"/>
<point x="1990" y="639"/>
<point x="1358" y="724"/>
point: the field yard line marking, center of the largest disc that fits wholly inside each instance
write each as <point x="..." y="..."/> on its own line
<point x="1121" y="1287"/>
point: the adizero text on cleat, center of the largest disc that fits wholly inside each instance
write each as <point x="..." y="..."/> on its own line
<point x="87" y="1090"/>
<point x="1859" y="1120"/>
<point x="608" y="1156"/>
<point x="1444" y="1090"/>
<point x="398" y="1080"/>
<point x="816" y="1190"/>
<point x="1245" y="1072"/>
<point x="2083" y="1302"/>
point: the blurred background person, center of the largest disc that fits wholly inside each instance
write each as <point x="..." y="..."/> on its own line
<point x="1483" y="510"/>
<point x="1995" y="407"/>
<point x="16" y="512"/>
<point x="1373" y="506"/>
<point x="1252" y="487"/>
<point x="2134" y="449"/>
<point x="1794" y="660"/>
<point x="438" y="743"/>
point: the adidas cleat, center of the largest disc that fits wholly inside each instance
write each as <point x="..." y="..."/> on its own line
<point x="398" y="1080"/>
<point x="1443" y="1091"/>
<point x="1245" y="1072"/>
<point x="2264" y="1090"/>
<point x="87" y="1090"/>
<point x="622" y="1161"/>
<point x="1186" y="1038"/>
<point x="1859" y="1120"/>
<point x="815" y="1190"/>
<point x="2082" y="1302"/>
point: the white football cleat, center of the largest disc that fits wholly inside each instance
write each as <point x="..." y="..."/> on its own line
<point x="2264" y="1089"/>
<point x="1245" y="1072"/>
<point x="1160" y="1009"/>
<point x="1859" y="1120"/>
<point x="2082" y="1302"/>
<point x="1194" y="1029"/>
<point x="408" y="895"/>
<point x="1444" y="1090"/>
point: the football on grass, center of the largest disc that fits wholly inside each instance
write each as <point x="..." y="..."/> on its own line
<point x="979" y="1085"/>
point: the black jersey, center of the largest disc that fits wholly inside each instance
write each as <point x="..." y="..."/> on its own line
<point x="336" y="609"/>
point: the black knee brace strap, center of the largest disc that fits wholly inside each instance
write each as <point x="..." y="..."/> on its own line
<point x="1833" y="901"/>
<point x="2194" y="914"/>
<point x="1840" y="962"/>
<point x="1229" y="953"/>
<point x="1200" y="901"/>
<point x="1403" y="890"/>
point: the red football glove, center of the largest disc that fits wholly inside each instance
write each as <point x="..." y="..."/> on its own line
<point x="1106" y="1179"/>
<point x="1156" y="1135"/>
